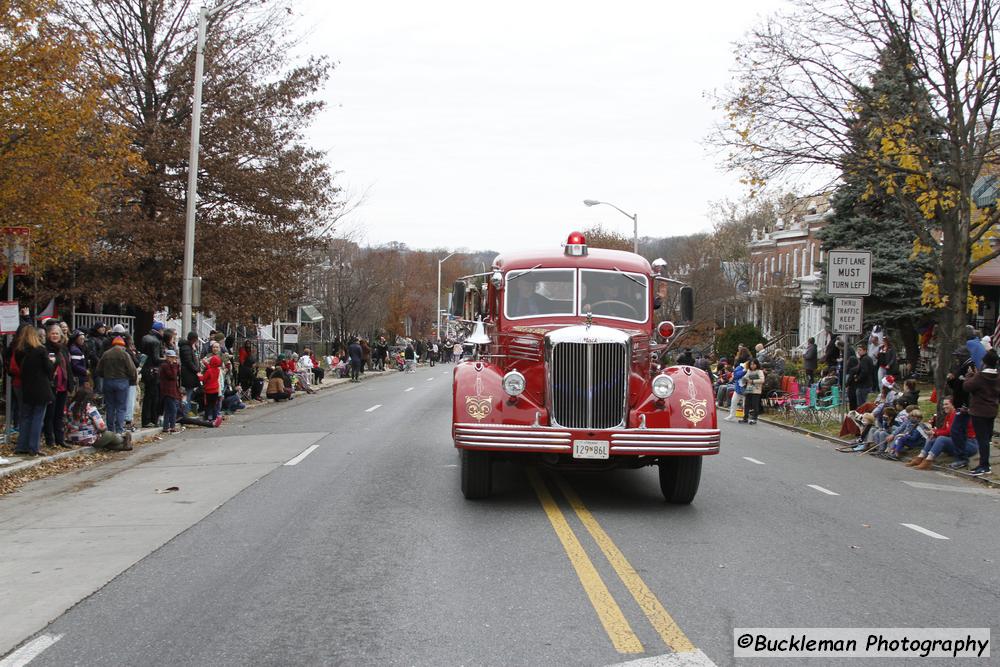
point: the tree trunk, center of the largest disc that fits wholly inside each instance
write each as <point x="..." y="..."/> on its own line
<point x="953" y="283"/>
<point x="910" y="340"/>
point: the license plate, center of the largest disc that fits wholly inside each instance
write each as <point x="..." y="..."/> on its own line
<point x="590" y="449"/>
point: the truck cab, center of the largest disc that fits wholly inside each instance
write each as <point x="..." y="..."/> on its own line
<point x="567" y="371"/>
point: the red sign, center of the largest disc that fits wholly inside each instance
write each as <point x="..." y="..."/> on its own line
<point x="16" y="248"/>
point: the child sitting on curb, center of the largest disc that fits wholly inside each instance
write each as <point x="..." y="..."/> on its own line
<point x="85" y="426"/>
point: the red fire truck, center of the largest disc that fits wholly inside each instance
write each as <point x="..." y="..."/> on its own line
<point x="567" y="370"/>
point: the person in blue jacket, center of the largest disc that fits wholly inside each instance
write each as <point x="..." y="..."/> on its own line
<point x="738" y="388"/>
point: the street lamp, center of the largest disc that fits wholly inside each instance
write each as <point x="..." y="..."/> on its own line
<point x="634" y="216"/>
<point x="437" y="315"/>
<point x="192" y="187"/>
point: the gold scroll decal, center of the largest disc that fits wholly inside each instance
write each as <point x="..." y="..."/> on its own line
<point x="479" y="406"/>
<point x="693" y="408"/>
<point x="694" y="411"/>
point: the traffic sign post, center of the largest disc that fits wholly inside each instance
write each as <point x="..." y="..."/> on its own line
<point x="849" y="273"/>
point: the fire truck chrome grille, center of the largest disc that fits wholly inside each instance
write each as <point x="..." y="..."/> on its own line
<point x="589" y="381"/>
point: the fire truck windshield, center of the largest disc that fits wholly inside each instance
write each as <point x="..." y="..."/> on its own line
<point x="604" y="293"/>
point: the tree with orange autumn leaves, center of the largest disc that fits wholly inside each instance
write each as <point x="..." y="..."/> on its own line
<point x="61" y="149"/>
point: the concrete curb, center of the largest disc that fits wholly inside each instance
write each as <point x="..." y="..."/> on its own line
<point x="838" y="441"/>
<point x="146" y="434"/>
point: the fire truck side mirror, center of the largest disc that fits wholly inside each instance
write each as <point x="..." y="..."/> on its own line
<point x="687" y="304"/>
<point x="457" y="306"/>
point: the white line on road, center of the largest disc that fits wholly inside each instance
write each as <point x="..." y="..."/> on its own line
<point x="308" y="450"/>
<point x="428" y="379"/>
<point x="921" y="529"/>
<point x="822" y="490"/>
<point x="408" y="389"/>
<point x="374" y="407"/>
<point x="976" y="490"/>
<point x="29" y="651"/>
<point x="688" y="659"/>
<point x="751" y="460"/>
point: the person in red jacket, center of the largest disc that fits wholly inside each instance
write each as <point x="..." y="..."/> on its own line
<point x="941" y="441"/>
<point x="170" y="389"/>
<point x="210" y="383"/>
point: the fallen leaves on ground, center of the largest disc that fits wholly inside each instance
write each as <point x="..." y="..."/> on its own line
<point x="13" y="482"/>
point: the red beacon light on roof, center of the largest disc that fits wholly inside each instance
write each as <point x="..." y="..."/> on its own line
<point x="576" y="245"/>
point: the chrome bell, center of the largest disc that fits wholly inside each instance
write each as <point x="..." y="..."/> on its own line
<point x="479" y="336"/>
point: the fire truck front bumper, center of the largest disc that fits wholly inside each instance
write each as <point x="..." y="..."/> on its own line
<point x="624" y="442"/>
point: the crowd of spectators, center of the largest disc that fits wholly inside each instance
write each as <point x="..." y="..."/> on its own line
<point x="72" y="388"/>
<point x="885" y="408"/>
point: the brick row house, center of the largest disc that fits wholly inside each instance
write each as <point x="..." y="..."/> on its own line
<point x="784" y="273"/>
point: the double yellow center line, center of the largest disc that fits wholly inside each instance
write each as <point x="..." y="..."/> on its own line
<point x="610" y="614"/>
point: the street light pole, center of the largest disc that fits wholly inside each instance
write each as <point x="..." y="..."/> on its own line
<point x="192" y="187"/>
<point x="437" y="313"/>
<point x="633" y="216"/>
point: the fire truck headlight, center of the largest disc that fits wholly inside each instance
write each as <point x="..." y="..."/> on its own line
<point x="663" y="386"/>
<point x="513" y="383"/>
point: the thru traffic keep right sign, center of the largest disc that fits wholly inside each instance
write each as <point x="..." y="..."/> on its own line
<point x="848" y="315"/>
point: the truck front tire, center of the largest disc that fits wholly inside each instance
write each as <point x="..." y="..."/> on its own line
<point x="679" y="478"/>
<point x="477" y="474"/>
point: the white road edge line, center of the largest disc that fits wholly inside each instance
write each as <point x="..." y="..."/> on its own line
<point x="308" y="450"/>
<point x="374" y="407"/>
<point x="690" y="659"/>
<point x="408" y="389"/>
<point x="752" y="460"/>
<point x="822" y="490"/>
<point x="29" y="651"/>
<point x="928" y="533"/>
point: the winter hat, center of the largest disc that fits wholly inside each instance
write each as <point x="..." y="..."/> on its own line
<point x="118" y="341"/>
<point x="169" y="353"/>
<point x="157" y="326"/>
<point x="888" y="381"/>
<point x="987" y="343"/>
<point x="118" y="328"/>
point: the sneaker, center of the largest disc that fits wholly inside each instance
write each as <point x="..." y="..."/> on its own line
<point x="981" y="470"/>
<point x="858" y="448"/>
<point x="218" y="422"/>
<point x="958" y="465"/>
<point x="752" y="421"/>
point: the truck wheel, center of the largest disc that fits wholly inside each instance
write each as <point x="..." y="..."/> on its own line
<point x="679" y="478"/>
<point x="477" y="477"/>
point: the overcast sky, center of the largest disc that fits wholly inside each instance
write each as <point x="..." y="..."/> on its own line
<point x="485" y="125"/>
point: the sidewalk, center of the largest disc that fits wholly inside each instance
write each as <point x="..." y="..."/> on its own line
<point x="12" y="464"/>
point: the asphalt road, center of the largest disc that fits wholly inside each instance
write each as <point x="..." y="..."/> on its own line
<point x="365" y="552"/>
